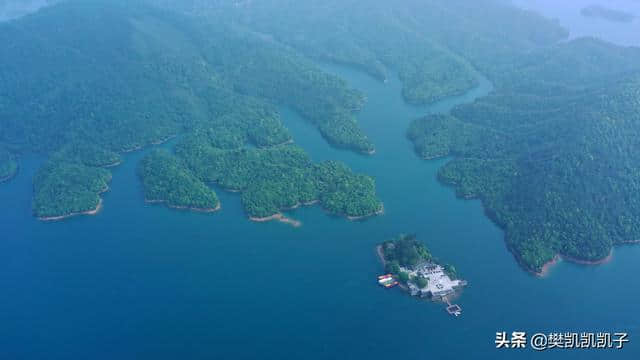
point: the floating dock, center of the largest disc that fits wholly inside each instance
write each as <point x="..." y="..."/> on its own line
<point x="453" y="309"/>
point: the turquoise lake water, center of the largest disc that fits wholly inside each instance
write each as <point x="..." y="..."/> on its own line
<point x="141" y="281"/>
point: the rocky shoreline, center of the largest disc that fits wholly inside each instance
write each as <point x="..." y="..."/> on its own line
<point x="62" y="217"/>
<point x="544" y="271"/>
<point x="92" y="212"/>
<point x="357" y="218"/>
<point x="278" y="217"/>
<point x="295" y="223"/>
<point x="189" y="208"/>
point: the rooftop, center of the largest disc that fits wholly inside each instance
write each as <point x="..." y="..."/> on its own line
<point x="439" y="283"/>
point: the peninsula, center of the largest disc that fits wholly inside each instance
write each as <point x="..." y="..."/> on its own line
<point x="270" y="180"/>
<point x="63" y="190"/>
<point x="279" y="178"/>
<point x="543" y="152"/>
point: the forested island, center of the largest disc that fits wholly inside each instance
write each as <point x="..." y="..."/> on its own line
<point x="597" y="11"/>
<point x="417" y="270"/>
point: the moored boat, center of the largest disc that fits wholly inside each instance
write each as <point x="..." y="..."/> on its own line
<point x="391" y="284"/>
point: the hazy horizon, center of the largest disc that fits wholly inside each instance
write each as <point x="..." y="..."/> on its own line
<point x="13" y="9"/>
<point x="568" y="15"/>
<point x="566" y="12"/>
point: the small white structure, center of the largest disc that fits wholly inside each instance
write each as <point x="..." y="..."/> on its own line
<point x="439" y="283"/>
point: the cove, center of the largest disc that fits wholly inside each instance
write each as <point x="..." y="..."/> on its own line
<point x="143" y="281"/>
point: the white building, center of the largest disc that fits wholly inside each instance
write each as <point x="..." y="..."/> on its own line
<point x="439" y="283"/>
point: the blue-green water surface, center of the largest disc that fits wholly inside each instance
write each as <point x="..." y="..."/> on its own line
<point x="142" y="281"/>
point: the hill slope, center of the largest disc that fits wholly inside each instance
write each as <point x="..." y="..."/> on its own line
<point x="121" y="75"/>
<point x="553" y="153"/>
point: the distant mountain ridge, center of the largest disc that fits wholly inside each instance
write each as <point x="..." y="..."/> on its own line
<point x="598" y="11"/>
<point x="13" y="9"/>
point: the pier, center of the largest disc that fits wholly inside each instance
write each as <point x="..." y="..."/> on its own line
<point x="452" y="309"/>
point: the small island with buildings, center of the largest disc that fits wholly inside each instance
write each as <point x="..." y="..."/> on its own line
<point x="410" y="265"/>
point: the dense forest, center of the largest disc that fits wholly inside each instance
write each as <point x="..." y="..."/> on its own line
<point x="407" y="251"/>
<point x="551" y="152"/>
<point x="166" y="179"/>
<point x="122" y="75"/>
<point x="153" y="74"/>
<point x="279" y="178"/>
<point x="432" y="45"/>
<point x="270" y="179"/>
<point x="68" y="188"/>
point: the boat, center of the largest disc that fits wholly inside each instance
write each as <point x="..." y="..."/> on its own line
<point x="390" y="285"/>
<point x="384" y="276"/>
